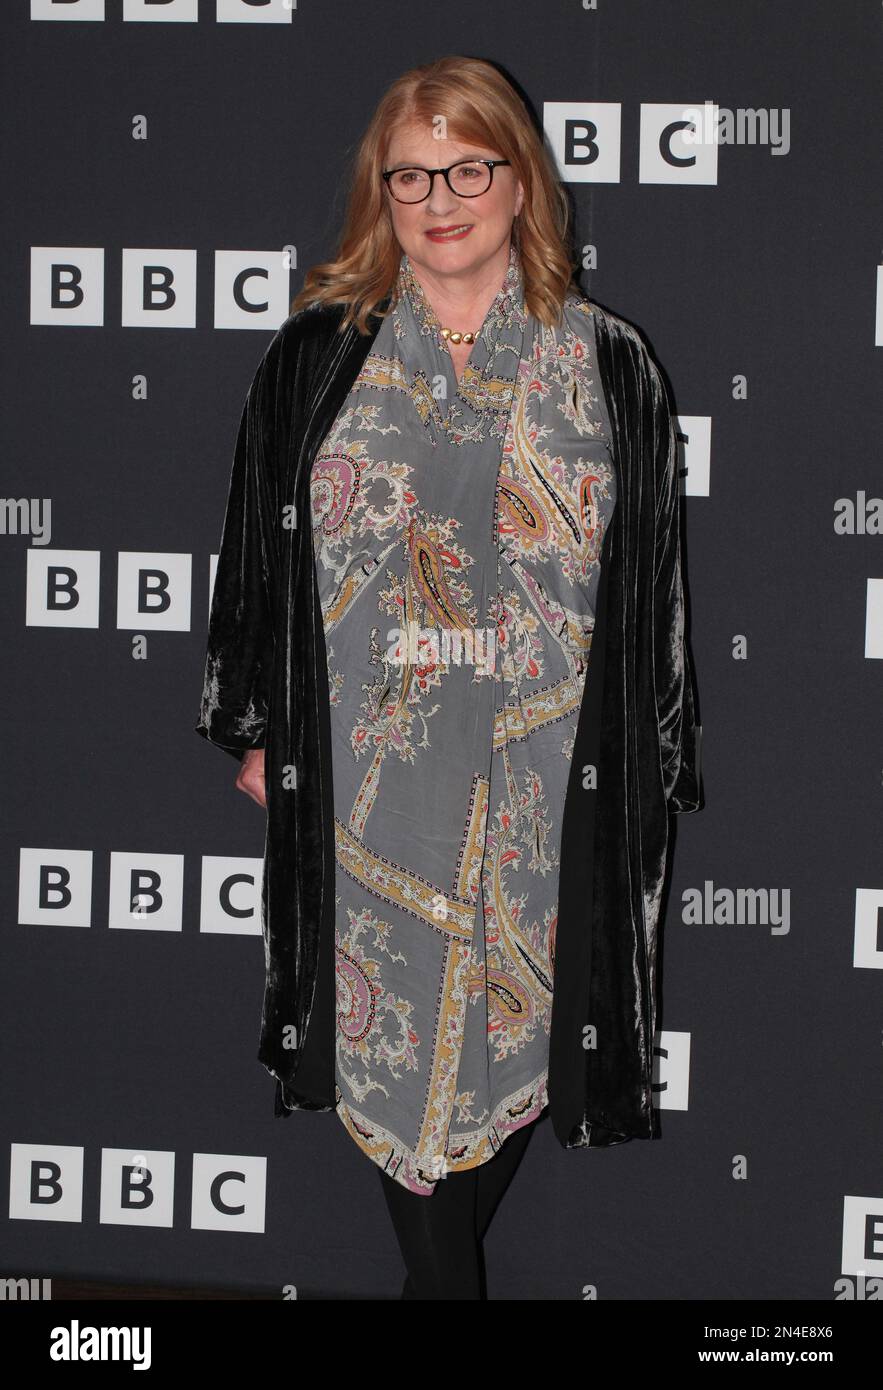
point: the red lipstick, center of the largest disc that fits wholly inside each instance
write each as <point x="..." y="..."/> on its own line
<point x="455" y="231"/>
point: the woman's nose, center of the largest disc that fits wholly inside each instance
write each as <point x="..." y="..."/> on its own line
<point x="441" y="201"/>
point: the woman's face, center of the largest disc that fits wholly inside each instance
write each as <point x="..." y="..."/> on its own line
<point x="489" y="217"/>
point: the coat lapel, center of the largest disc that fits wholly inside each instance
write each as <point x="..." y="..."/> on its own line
<point x="332" y="365"/>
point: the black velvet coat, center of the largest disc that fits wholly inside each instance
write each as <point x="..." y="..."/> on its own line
<point x="266" y="686"/>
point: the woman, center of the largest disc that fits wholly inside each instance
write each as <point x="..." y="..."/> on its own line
<point x="455" y="477"/>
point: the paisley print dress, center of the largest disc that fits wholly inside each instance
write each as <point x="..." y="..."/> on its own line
<point x="457" y="531"/>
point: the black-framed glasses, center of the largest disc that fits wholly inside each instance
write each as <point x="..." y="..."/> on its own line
<point x="471" y="178"/>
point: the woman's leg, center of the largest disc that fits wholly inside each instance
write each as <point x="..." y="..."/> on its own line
<point x="440" y="1236"/>
<point x="493" y="1179"/>
<point x="495" y="1176"/>
<point x="436" y="1236"/>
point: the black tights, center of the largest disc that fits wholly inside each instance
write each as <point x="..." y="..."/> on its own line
<point x="440" y="1235"/>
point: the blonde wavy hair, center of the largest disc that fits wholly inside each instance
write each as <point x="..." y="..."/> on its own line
<point x="479" y="106"/>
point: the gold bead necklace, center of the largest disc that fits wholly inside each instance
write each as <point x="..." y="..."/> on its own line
<point x="455" y="337"/>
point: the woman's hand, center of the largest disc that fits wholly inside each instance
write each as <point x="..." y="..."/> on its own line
<point x="251" y="776"/>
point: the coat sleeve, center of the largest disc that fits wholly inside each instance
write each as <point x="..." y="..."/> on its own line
<point x="240" y="646"/>
<point x="672" y="661"/>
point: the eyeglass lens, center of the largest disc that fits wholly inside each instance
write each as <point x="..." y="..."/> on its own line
<point x="467" y="180"/>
